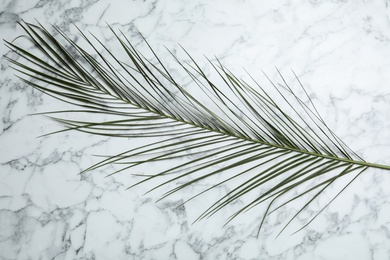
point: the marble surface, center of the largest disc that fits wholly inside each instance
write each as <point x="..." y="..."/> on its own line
<point x="339" y="49"/>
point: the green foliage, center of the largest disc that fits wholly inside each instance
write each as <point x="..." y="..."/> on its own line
<point x="241" y="134"/>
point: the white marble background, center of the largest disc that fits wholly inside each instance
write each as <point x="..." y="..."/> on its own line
<point x="339" y="49"/>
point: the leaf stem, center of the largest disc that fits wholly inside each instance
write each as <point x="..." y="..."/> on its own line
<point x="340" y="159"/>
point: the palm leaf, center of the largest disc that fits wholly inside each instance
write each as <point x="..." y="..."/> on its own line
<point x="242" y="133"/>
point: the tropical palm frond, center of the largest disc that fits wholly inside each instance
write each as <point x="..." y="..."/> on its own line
<point x="240" y="133"/>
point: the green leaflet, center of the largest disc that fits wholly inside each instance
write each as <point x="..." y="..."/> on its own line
<point x="242" y="135"/>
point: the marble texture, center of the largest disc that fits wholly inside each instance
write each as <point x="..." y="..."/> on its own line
<point x="339" y="49"/>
